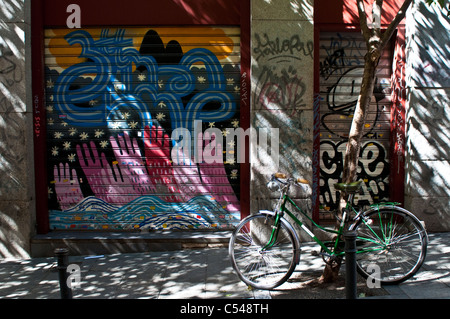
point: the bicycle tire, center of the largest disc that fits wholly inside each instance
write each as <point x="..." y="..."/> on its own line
<point x="391" y="244"/>
<point x="259" y="267"/>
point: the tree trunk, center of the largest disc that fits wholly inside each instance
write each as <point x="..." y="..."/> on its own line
<point x="359" y="118"/>
<point x="375" y="42"/>
<point x="331" y="270"/>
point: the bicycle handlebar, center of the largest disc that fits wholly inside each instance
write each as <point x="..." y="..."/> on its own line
<point x="298" y="180"/>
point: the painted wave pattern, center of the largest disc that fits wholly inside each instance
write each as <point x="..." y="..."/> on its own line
<point x="145" y="213"/>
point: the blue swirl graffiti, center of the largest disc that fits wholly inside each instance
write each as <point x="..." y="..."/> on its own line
<point x="110" y="62"/>
<point x="147" y="212"/>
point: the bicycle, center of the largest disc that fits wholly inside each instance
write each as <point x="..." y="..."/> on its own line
<point x="264" y="248"/>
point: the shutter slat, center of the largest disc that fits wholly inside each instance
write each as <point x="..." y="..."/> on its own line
<point x="108" y="134"/>
<point x="341" y="70"/>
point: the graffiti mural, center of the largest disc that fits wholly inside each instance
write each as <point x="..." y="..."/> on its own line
<point x="341" y="70"/>
<point x="281" y="98"/>
<point x="114" y="97"/>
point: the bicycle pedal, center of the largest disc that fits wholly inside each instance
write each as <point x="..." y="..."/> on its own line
<point x="317" y="254"/>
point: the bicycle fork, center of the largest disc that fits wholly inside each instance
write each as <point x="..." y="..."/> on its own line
<point x="274" y="234"/>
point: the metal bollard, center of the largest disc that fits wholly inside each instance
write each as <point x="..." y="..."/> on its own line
<point x="62" y="257"/>
<point x="350" y="264"/>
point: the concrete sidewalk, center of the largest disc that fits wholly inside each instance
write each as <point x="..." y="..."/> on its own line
<point x="207" y="274"/>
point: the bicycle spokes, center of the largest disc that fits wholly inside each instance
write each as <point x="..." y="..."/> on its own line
<point x="263" y="251"/>
<point x="393" y="240"/>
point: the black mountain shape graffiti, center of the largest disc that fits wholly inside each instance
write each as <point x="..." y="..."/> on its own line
<point x="154" y="46"/>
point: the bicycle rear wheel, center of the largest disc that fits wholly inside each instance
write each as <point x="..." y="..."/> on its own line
<point x="258" y="264"/>
<point x="391" y="244"/>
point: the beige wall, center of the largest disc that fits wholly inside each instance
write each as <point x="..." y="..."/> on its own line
<point x="282" y="69"/>
<point x="427" y="181"/>
<point x="16" y="149"/>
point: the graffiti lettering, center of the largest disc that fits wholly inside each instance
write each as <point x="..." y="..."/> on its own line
<point x="373" y="169"/>
<point x="244" y="89"/>
<point x="277" y="48"/>
<point x="341" y="75"/>
<point x="122" y="104"/>
<point x="113" y="97"/>
<point x="281" y="92"/>
<point x="341" y="51"/>
<point x="332" y="63"/>
<point x="10" y="71"/>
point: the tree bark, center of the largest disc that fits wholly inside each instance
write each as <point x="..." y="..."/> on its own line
<point x="375" y="42"/>
<point x="351" y="157"/>
<point x="359" y="118"/>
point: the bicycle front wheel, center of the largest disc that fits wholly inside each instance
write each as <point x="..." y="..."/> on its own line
<point x="391" y="244"/>
<point x="261" y="260"/>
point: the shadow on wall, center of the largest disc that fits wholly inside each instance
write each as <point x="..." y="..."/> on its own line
<point x="427" y="184"/>
<point x="15" y="182"/>
<point x="282" y="97"/>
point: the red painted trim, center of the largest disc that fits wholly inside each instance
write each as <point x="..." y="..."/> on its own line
<point x="245" y="102"/>
<point x="327" y="17"/>
<point x="316" y="129"/>
<point x="52" y="13"/>
<point x="398" y="116"/>
<point x="345" y="12"/>
<point x="39" y="128"/>
<point x="332" y="27"/>
<point x="398" y="111"/>
<point x="141" y="12"/>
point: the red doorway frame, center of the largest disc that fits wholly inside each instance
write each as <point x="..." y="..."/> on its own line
<point x="342" y="15"/>
<point x="53" y="13"/>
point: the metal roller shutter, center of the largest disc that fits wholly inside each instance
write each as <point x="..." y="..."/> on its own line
<point x="341" y="69"/>
<point x="114" y="97"/>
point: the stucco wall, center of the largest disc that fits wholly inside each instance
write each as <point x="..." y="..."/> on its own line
<point x="282" y="36"/>
<point x="16" y="149"/>
<point x="282" y="74"/>
<point x="427" y="124"/>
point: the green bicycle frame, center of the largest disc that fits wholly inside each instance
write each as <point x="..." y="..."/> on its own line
<point x="385" y="235"/>
<point x="380" y="243"/>
<point x="284" y="209"/>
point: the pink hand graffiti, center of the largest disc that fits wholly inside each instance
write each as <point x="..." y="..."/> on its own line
<point x="106" y="182"/>
<point x="160" y="170"/>
<point x="67" y="186"/>
<point x="209" y="178"/>
<point x="214" y="176"/>
<point x="131" y="166"/>
<point x="132" y="176"/>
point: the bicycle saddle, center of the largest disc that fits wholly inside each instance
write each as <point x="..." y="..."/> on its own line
<point x="348" y="187"/>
